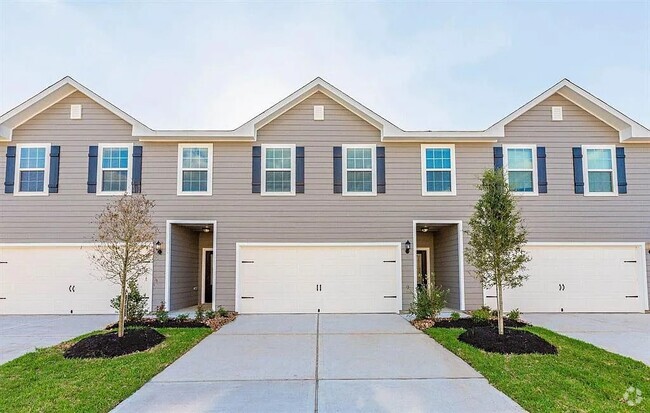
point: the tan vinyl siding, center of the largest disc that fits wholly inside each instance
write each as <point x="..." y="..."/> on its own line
<point x="318" y="215"/>
<point x="446" y="262"/>
<point x="185" y="281"/>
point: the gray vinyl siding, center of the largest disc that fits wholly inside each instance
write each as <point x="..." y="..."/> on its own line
<point x="318" y="215"/>
<point x="184" y="259"/>
<point x="446" y="262"/>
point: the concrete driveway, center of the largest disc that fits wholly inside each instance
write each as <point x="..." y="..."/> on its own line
<point x="626" y="334"/>
<point x="20" y="334"/>
<point x="326" y="363"/>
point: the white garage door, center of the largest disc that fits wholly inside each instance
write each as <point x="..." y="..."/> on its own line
<point x="308" y="278"/>
<point x="579" y="278"/>
<point x="54" y="280"/>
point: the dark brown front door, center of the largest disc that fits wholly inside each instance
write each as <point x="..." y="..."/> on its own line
<point x="208" y="277"/>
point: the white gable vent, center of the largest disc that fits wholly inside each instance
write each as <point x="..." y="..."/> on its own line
<point x="556" y="113"/>
<point x="75" y="111"/>
<point x="319" y="112"/>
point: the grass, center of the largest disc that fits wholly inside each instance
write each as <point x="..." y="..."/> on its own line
<point x="44" y="381"/>
<point x="580" y="378"/>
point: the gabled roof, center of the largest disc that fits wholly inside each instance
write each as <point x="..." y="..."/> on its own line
<point x="629" y="130"/>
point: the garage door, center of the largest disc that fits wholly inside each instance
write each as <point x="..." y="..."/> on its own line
<point x="326" y="278"/>
<point x="54" y="280"/>
<point x="578" y="278"/>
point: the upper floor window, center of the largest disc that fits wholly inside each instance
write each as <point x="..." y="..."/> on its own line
<point x="599" y="170"/>
<point x="438" y="170"/>
<point x="115" y="169"/>
<point x="520" y="166"/>
<point x="278" y="169"/>
<point x="33" y="169"/>
<point x="195" y="169"/>
<point x="359" y="170"/>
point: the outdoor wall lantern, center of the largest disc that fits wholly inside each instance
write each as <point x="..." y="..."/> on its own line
<point x="159" y="247"/>
<point x="407" y="246"/>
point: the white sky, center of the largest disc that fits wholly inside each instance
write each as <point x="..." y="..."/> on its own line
<point x="437" y="66"/>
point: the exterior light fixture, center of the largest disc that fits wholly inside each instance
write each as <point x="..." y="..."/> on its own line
<point x="159" y="247"/>
<point x="206" y="229"/>
<point x="425" y="229"/>
<point x="407" y="246"/>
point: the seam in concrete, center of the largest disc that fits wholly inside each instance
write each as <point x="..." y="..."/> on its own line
<point x="307" y="380"/>
<point x="316" y="375"/>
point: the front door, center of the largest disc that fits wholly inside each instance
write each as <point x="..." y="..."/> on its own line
<point x="207" y="295"/>
<point x="423" y="268"/>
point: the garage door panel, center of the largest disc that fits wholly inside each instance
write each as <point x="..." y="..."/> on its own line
<point x="570" y="278"/>
<point x="350" y="279"/>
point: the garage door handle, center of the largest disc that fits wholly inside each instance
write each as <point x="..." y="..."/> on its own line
<point x="248" y="262"/>
<point x="562" y="287"/>
<point x="631" y="296"/>
<point x="390" y="296"/>
<point x="3" y="262"/>
<point x="247" y="298"/>
<point x="631" y="261"/>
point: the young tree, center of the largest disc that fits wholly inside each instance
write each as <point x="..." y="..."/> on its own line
<point x="496" y="238"/>
<point x="124" y="238"/>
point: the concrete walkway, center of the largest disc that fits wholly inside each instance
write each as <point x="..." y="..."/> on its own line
<point x="625" y="334"/>
<point x="20" y="334"/>
<point x="326" y="363"/>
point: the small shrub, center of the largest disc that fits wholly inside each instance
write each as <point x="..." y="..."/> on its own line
<point x="222" y="311"/>
<point x="486" y="308"/>
<point x="161" y="313"/>
<point x="455" y="316"/>
<point x="209" y="315"/>
<point x="513" y="314"/>
<point x="136" y="303"/>
<point x="481" y="315"/>
<point x="182" y="317"/>
<point x="427" y="303"/>
<point x="494" y="313"/>
<point x="199" y="314"/>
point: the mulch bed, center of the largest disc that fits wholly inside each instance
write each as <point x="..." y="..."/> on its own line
<point x="153" y="323"/>
<point x="469" y="323"/>
<point x="218" y="322"/>
<point x="108" y="345"/>
<point x="511" y="342"/>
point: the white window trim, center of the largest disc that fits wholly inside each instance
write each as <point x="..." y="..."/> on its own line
<point x="585" y="170"/>
<point x="46" y="174"/>
<point x="129" y="174"/>
<point x="506" y="168"/>
<point x="344" y="161"/>
<point x="293" y="170"/>
<point x="180" y="169"/>
<point x="423" y="164"/>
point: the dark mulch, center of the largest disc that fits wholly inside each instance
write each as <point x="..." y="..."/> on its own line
<point x="469" y="323"/>
<point x="108" y="345"/>
<point x="153" y="323"/>
<point x="511" y="342"/>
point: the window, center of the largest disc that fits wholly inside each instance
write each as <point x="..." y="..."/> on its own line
<point x="32" y="172"/>
<point x="114" y="172"/>
<point x="520" y="165"/>
<point x="438" y="170"/>
<point x="195" y="169"/>
<point x="359" y="172"/>
<point x="278" y="170"/>
<point x="599" y="170"/>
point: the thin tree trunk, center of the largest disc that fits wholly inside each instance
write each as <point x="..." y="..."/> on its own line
<point x="500" y="307"/>
<point x="120" y="322"/>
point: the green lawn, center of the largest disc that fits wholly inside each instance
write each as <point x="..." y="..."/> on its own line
<point x="44" y="381"/>
<point x="580" y="378"/>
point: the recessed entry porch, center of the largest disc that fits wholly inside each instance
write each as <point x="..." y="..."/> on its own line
<point x="438" y="256"/>
<point x="190" y="270"/>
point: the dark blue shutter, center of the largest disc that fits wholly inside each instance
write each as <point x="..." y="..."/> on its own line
<point x="136" y="188"/>
<point x="542" y="185"/>
<point x="257" y="169"/>
<point x="300" y="169"/>
<point x="337" y="154"/>
<point x="578" y="180"/>
<point x="498" y="157"/>
<point x="92" y="169"/>
<point x="620" y="170"/>
<point x="55" y="155"/>
<point x="10" y="170"/>
<point x="381" y="170"/>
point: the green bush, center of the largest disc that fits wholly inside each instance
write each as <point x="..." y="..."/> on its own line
<point x="455" y="316"/>
<point x="199" y="314"/>
<point x="427" y="303"/>
<point x="481" y="315"/>
<point x="222" y="311"/>
<point x="513" y="314"/>
<point x="136" y="303"/>
<point x="182" y="317"/>
<point x="494" y="313"/>
<point x="161" y="313"/>
<point x="209" y="315"/>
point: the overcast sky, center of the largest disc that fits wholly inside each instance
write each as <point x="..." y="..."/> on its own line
<point x="437" y="66"/>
